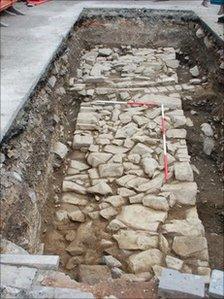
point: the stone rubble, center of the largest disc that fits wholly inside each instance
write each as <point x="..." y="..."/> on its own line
<point x="116" y="182"/>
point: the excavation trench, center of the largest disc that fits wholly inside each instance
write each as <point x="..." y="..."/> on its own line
<point x="104" y="206"/>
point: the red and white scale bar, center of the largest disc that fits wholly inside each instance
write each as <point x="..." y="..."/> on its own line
<point x="165" y="158"/>
<point x="163" y="125"/>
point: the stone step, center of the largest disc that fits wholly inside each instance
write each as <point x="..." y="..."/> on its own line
<point x="58" y="293"/>
<point x="44" y="262"/>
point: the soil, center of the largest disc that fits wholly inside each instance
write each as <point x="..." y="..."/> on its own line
<point x="37" y="165"/>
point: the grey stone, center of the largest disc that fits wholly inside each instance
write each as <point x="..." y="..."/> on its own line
<point x="79" y="166"/>
<point x="82" y="141"/>
<point x="176" y="133"/>
<point x="195" y="71"/>
<point x="200" y="33"/>
<point x="111" y="170"/>
<point x="108" y="213"/>
<point x="44" y="262"/>
<point x="18" y="277"/>
<point x="207" y="129"/>
<point x="105" y="52"/>
<point x="184" y="193"/>
<point x="74" y="199"/>
<point x="208" y="145"/>
<point x="95" y="159"/>
<point x="60" y="149"/>
<point x="149" y="166"/>
<point x="73" y="187"/>
<point x="153" y="185"/>
<point x="115" y="200"/>
<point x="183" y="171"/>
<point x="100" y="188"/>
<point x="110" y="261"/>
<point x="115" y="225"/>
<point x="58" y="293"/>
<point x="141" y="149"/>
<point x="52" y="81"/>
<point x="11" y="248"/>
<point x="173" y="284"/>
<point x="216" y="287"/>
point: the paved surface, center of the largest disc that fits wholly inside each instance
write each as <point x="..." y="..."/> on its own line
<point x="26" y="54"/>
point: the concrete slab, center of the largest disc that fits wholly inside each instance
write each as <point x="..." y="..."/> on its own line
<point x="56" y="293"/>
<point x="216" y="287"/>
<point x="30" y="42"/>
<point x="43" y="262"/>
<point x="174" y="284"/>
<point x="17" y="277"/>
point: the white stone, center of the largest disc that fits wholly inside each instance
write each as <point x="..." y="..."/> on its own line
<point x="156" y="202"/>
<point x="173" y="262"/>
<point x="76" y="215"/>
<point x="183" y="171"/>
<point x="149" y="166"/>
<point x="100" y="188"/>
<point x="43" y="262"/>
<point x="200" y="33"/>
<point x="127" y="131"/>
<point x="61" y="215"/>
<point x="141" y="149"/>
<point x="143" y="261"/>
<point x="95" y="159"/>
<point x="115" y="201"/>
<point x="208" y="145"/>
<point x="73" y="187"/>
<point x="140" y="217"/>
<point x="105" y="52"/>
<point x="176" y="133"/>
<point x="190" y="246"/>
<point x="111" y="170"/>
<point x="74" y="199"/>
<point x="137" y="198"/>
<point x="17" y="277"/>
<point x="80" y="166"/>
<point x="82" y="141"/>
<point x="152" y="186"/>
<point x="207" y="129"/>
<point x="133" y="240"/>
<point x="108" y="213"/>
<point x="184" y="193"/>
<point x="195" y="71"/>
<point x="110" y="261"/>
<point x="190" y="227"/>
<point x="115" y="149"/>
<point x="115" y="225"/>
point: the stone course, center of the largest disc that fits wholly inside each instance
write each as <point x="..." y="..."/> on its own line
<point x="118" y="165"/>
<point x="117" y="216"/>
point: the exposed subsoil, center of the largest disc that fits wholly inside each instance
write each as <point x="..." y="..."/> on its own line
<point x="47" y="183"/>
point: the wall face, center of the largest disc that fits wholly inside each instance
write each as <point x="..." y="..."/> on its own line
<point x="31" y="173"/>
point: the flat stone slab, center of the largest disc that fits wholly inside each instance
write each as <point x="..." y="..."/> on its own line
<point x="18" y="277"/>
<point x="44" y="262"/>
<point x="58" y="293"/>
<point x="216" y="288"/>
<point x="174" y="284"/>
